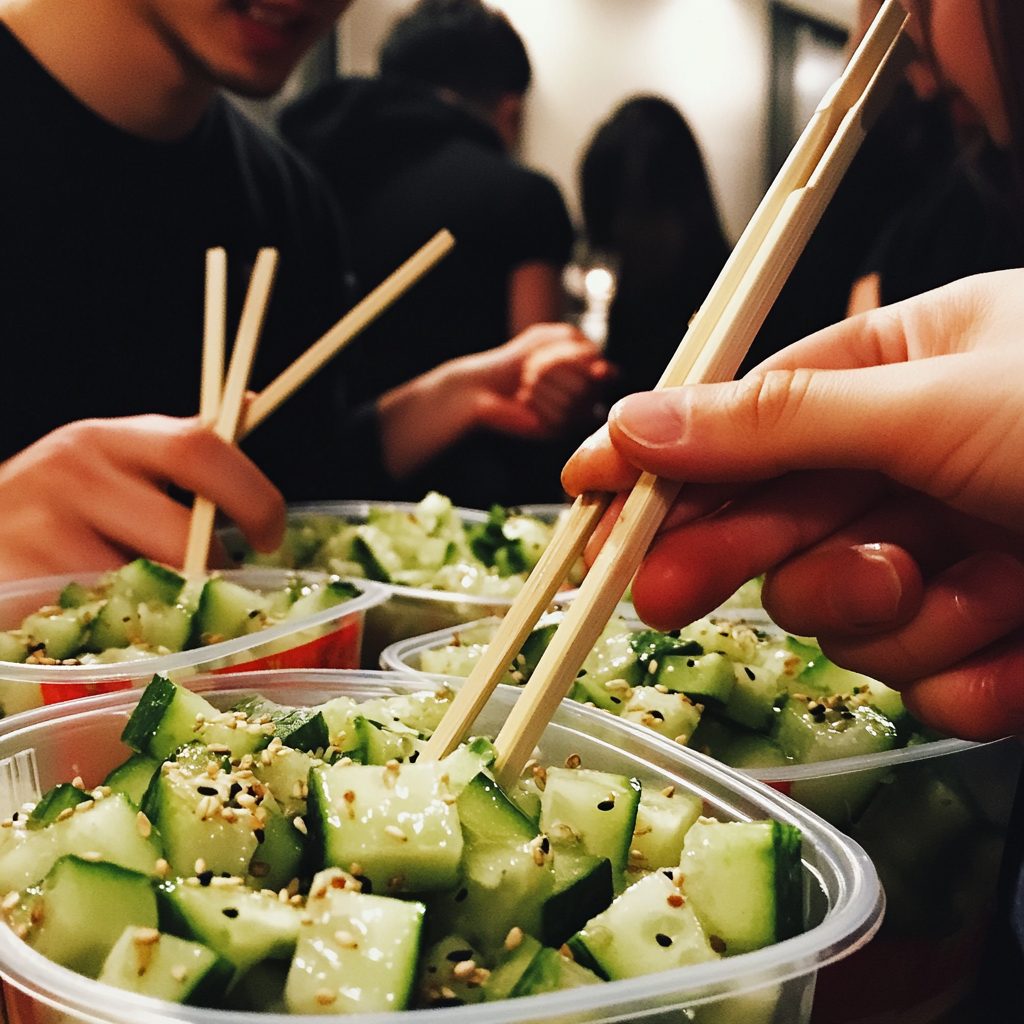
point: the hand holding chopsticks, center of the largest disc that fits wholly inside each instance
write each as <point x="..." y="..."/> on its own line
<point x="712" y="350"/>
<point x="225" y="413"/>
<point x="228" y="406"/>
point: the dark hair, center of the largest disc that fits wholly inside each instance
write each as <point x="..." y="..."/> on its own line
<point x="642" y="181"/>
<point x="462" y="45"/>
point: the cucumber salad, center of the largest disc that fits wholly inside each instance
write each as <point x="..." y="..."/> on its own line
<point x="748" y="697"/>
<point x="303" y="860"/>
<point x="146" y="610"/>
<point x="427" y="547"/>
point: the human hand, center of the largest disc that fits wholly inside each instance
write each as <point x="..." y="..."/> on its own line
<point x="537" y="383"/>
<point x="91" y="495"/>
<point x="874" y="471"/>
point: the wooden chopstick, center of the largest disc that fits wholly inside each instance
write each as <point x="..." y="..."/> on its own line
<point x="214" y="331"/>
<point x="363" y="313"/>
<point x="713" y="348"/>
<point x="229" y="414"/>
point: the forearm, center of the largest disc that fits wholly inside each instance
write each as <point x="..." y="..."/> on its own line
<point x="423" y="417"/>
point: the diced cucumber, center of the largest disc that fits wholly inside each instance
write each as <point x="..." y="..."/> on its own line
<point x="13" y="648"/>
<point x="511" y="967"/>
<point x="376" y="745"/>
<point x="584" y="886"/>
<point x="662" y="821"/>
<point x="488" y="816"/>
<point x="74" y="595"/>
<point x="282" y="852"/>
<point x="609" y="669"/>
<point x="168" y="968"/>
<point x="61" y="634"/>
<point x="242" y="926"/>
<point x="116" y="624"/>
<point x="357" y="956"/>
<point x="501" y="887"/>
<point x="396" y="822"/>
<point x="227" y="610"/>
<point x="317" y="598"/>
<point x="743" y="880"/>
<point x="133" y="777"/>
<point x="143" y="581"/>
<point x="596" y="810"/>
<point x="673" y="715"/>
<point x="298" y="728"/>
<point x="372" y="551"/>
<point x="86" y="906"/>
<point x="287" y="778"/>
<point x="438" y="984"/>
<point x="62" y="797"/>
<point x="169" y="716"/>
<point x="550" y="971"/>
<point x="110" y="830"/>
<point x="652" y="647"/>
<point x="811" y="731"/>
<point x="164" y="626"/>
<point x="165" y="718"/>
<point x="650" y="927"/>
<point x="466" y="761"/>
<point x="706" y="679"/>
<point x="752" y="701"/>
<point x="199" y="819"/>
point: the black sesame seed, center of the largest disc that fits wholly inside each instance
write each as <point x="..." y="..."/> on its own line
<point x="206" y="790"/>
<point x="582" y="672"/>
<point x="749" y="671"/>
<point x="458" y="955"/>
<point x="234" y="791"/>
<point x="461" y="895"/>
<point x="615" y="700"/>
<point x="414" y="757"/>
<point x="229" y="912"/>
<point x="668" y="875"/>
<point x="658" y="715"/>
<point x="662" y="939"/>
<point x="606" y="805"/>
<point x="205" y="878"/>
<point x="690" y="663"/>
<point x="254" y="613"/>
<point x="545" y="845"/>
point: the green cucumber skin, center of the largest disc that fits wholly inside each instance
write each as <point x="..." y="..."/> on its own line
<point x="141" y="727"/>
<point x="568" y="910"/>
<point x="58" y="799"/>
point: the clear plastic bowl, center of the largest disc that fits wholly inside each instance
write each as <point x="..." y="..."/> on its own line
<point x="843" y="901"/>
<point x="331" y="638"/>
<point x="409" y="611"/>
<point x="931" y="856"/>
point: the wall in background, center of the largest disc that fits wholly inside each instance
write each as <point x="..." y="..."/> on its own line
<point x="709" y="57"/>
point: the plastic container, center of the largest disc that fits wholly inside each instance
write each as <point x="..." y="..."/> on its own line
<point x="843" y="903"/>
<point x="409" y="611"/>
<point x="331" y="638"/>
<point x="933" y="817"/>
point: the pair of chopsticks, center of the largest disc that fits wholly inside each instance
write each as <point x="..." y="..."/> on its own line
<point x="712" y="350"/>
<point x="221" y="402"/>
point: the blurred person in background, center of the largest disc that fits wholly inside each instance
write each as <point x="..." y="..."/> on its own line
<point x="647" y="205"/>
<point x="431" y="144"/>
<point x="971" y="218"/>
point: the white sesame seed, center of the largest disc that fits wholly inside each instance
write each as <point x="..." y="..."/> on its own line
<point x="395" y="832"/>
<point x="346" y="940"/>
<point x="300" y="824"/>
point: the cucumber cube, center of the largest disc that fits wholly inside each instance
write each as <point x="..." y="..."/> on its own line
<point x="650" y="927"/>
<point x="399" y="823"/>
<point x="166" y="967"/>
<point x="86" y="908"/>
<point x="743" y="880"/>
<point x="357" y="956"/>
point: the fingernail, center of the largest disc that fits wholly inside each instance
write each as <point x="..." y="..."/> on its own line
<point x="650" y="418"/>
<point x="868" y="589"/>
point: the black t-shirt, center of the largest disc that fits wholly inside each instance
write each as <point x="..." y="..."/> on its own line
<point x="102" y="271"/>
<point x="403" y="165"/>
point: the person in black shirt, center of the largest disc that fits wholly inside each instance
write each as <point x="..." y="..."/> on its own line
<point x="428" y="145"/>
<point x="121" y="165"/>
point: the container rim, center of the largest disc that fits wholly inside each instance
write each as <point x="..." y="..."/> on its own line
<point x="371" y="594"/>
<point x="842" y="869"/>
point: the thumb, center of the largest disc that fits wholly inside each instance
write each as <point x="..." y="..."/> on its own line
<point x="939" y="425"/>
